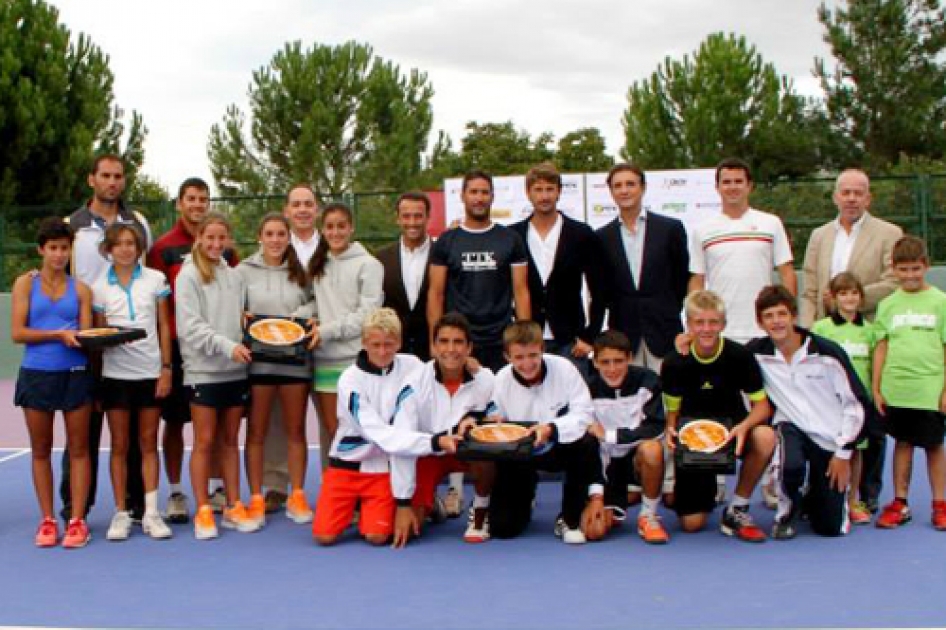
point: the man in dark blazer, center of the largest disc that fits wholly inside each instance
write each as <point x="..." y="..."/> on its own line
<point x="647" y="264"/>
<point x="562" y="254"/>
<point x="405" y="272"/>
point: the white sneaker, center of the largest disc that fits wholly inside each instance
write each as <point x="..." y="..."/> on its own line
<point x="770" y="496"/>
<point x="153" y="525"/>
<point x="569" y="536"/>
<point x="474" y="534"/>
<point x="177" y="509"/>
<point x="438" y="513"/>
<point x="120" y="527"/>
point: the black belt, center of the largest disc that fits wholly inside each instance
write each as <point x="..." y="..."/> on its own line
<point x="335" y="462"/>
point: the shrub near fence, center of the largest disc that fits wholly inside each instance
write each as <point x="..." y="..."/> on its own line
<point x="916" y="203"/>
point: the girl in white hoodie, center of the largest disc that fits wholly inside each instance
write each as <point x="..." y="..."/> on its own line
<point x="209" y="307"/>
<point x="346" y="284"/>
<point x="277" y="285"/>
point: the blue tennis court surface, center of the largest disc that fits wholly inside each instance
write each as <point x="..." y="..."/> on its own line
<point x="279" y="579"/>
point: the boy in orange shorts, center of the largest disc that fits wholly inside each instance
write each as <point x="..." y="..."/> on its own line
<point x="369" y="393"/>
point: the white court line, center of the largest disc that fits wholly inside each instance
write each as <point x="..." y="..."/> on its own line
<point x="14" y="455"/>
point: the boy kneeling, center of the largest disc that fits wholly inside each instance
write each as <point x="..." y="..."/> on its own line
<point x="549" y="393"/>
<point x="819" y="416"/>
<point x="447" y="393"/>
<point x="368" y="395"/>
<point x="629" y="422"/>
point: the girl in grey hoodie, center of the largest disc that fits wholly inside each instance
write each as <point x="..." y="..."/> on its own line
<point x="277" y="285"/>
<point x="209" y="308"/>
<point x="346" y="286"/>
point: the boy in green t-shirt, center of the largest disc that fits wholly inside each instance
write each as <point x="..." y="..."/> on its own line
<point x="847" y="327"/>
<point x="908" y="378"/>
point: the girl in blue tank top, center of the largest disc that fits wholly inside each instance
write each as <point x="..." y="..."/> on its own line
<point x="49" y="309"/>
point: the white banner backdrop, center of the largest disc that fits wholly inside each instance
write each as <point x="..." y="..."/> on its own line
<point x="510" y="203"/>
<point x="685" y="195"/>
<point x="688" y="195"/>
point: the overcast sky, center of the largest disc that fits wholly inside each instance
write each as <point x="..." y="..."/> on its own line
<point x="554" y="65"/>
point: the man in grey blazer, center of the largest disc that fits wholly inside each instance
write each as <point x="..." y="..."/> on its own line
<point x="860" y="243"/>
<point x="855" y="241"/>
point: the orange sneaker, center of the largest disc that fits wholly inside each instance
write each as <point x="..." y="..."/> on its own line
<point x="238" y="518"/>
<point x="256" y="510"/>
<point x="205" y="525"/>
<point x="939" y="515"/>
<point x="651" y="531"/>
<point x="297" y="507"/>
<point x="859" y="514"/>
<point x="48" y="533"/>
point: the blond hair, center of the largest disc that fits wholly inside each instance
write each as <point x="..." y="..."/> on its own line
<point x="523" y="332"/>
<point x="704" y="300"/>
<point x="383" y="319"/>
<point x="205" y="267"/>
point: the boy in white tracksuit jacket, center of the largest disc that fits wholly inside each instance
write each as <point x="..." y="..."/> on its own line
<point x="369" y="394"/>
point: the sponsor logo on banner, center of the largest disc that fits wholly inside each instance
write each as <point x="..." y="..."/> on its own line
<point x="674" y="182"/>
<point x="674" y="207"/>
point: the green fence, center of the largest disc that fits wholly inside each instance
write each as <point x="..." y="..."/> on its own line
<point x="916" y="203"/>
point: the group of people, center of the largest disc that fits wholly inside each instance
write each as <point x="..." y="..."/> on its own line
<point x="573" y="333"/>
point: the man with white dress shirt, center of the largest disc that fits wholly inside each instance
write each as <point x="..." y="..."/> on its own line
<point x="858" y="242"/>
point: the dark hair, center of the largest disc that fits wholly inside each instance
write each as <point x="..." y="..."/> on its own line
<point x="453" y="320"/>
<point x="297" y="272"/>
<point x="320" y="257"/>
<point x="846" y="281"/>
<point x="775" y="295"/>
<point x="613" y="340"/>
<point x="628" y="167"/>
<point x="734" y="164"/>
<point x="114" y="231"/>
<point x="106" y="157"/>
<point x="908" y="249"/>
<point x="413" y="196"/>
<point x="192" y="182"/>
<point x="477" y="174"/>
<point x="544" y="172"/>
<point x="54" y="229"/>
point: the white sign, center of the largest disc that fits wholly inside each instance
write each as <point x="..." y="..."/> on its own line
<point x="510" y="203"/>
<point x="685" y="195"/>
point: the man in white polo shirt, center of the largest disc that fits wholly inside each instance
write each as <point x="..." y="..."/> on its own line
<point x="733" y="253"/>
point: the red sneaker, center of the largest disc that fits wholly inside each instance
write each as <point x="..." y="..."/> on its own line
<point x="738" y="522"/>
<point x="48" y="533"/>
<point x="77" y="534"/>
<point x="939" y="515"/>
<point x="895" y="514"/>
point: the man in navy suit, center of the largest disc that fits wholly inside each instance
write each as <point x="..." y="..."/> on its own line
<point x="647" y="264"/>
<point x="562" y="253"/>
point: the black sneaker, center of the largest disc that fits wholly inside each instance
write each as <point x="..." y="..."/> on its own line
<point x="784" y="530"/>
<point x="738" y="522"/>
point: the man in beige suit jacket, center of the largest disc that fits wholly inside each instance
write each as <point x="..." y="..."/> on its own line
<point x="855" y="242"/>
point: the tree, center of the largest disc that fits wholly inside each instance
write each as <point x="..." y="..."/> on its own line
<point x="583" y="151"/>
<point x="337" y="117"/>
<point x="56" y="108"/>
<point x="887" y="90"/>
<point x="723" y="101"/>
<point x="501" y="149"/>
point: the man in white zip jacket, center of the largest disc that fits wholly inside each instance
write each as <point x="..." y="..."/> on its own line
<point x="819" y="416"/>
<point x="448" y="395"/>
<point x="369" y="394"/>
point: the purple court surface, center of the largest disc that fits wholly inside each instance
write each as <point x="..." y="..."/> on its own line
<point x="278" y="578"/>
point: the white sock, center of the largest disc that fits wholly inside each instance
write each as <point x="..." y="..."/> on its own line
<point x="480" y="502"/>
<point x="176" y="488"/>
<point x="216" y="484"/>
<point x="456" y="482"/>
<point x="151" y="502"/>
<point x="739" y="502"/>
<point x="648" y="506"/>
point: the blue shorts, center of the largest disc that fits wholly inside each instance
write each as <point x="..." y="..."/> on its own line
<point x="64" y="390"/>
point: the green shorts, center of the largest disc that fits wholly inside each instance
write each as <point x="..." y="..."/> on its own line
<point x="326" y="377"/>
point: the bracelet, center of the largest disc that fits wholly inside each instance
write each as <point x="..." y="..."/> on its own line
<point x="166" y="366"/>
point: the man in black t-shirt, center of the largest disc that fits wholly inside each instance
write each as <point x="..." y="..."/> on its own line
<point x="480" y="269"/>
<point x="709" y="381"/>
